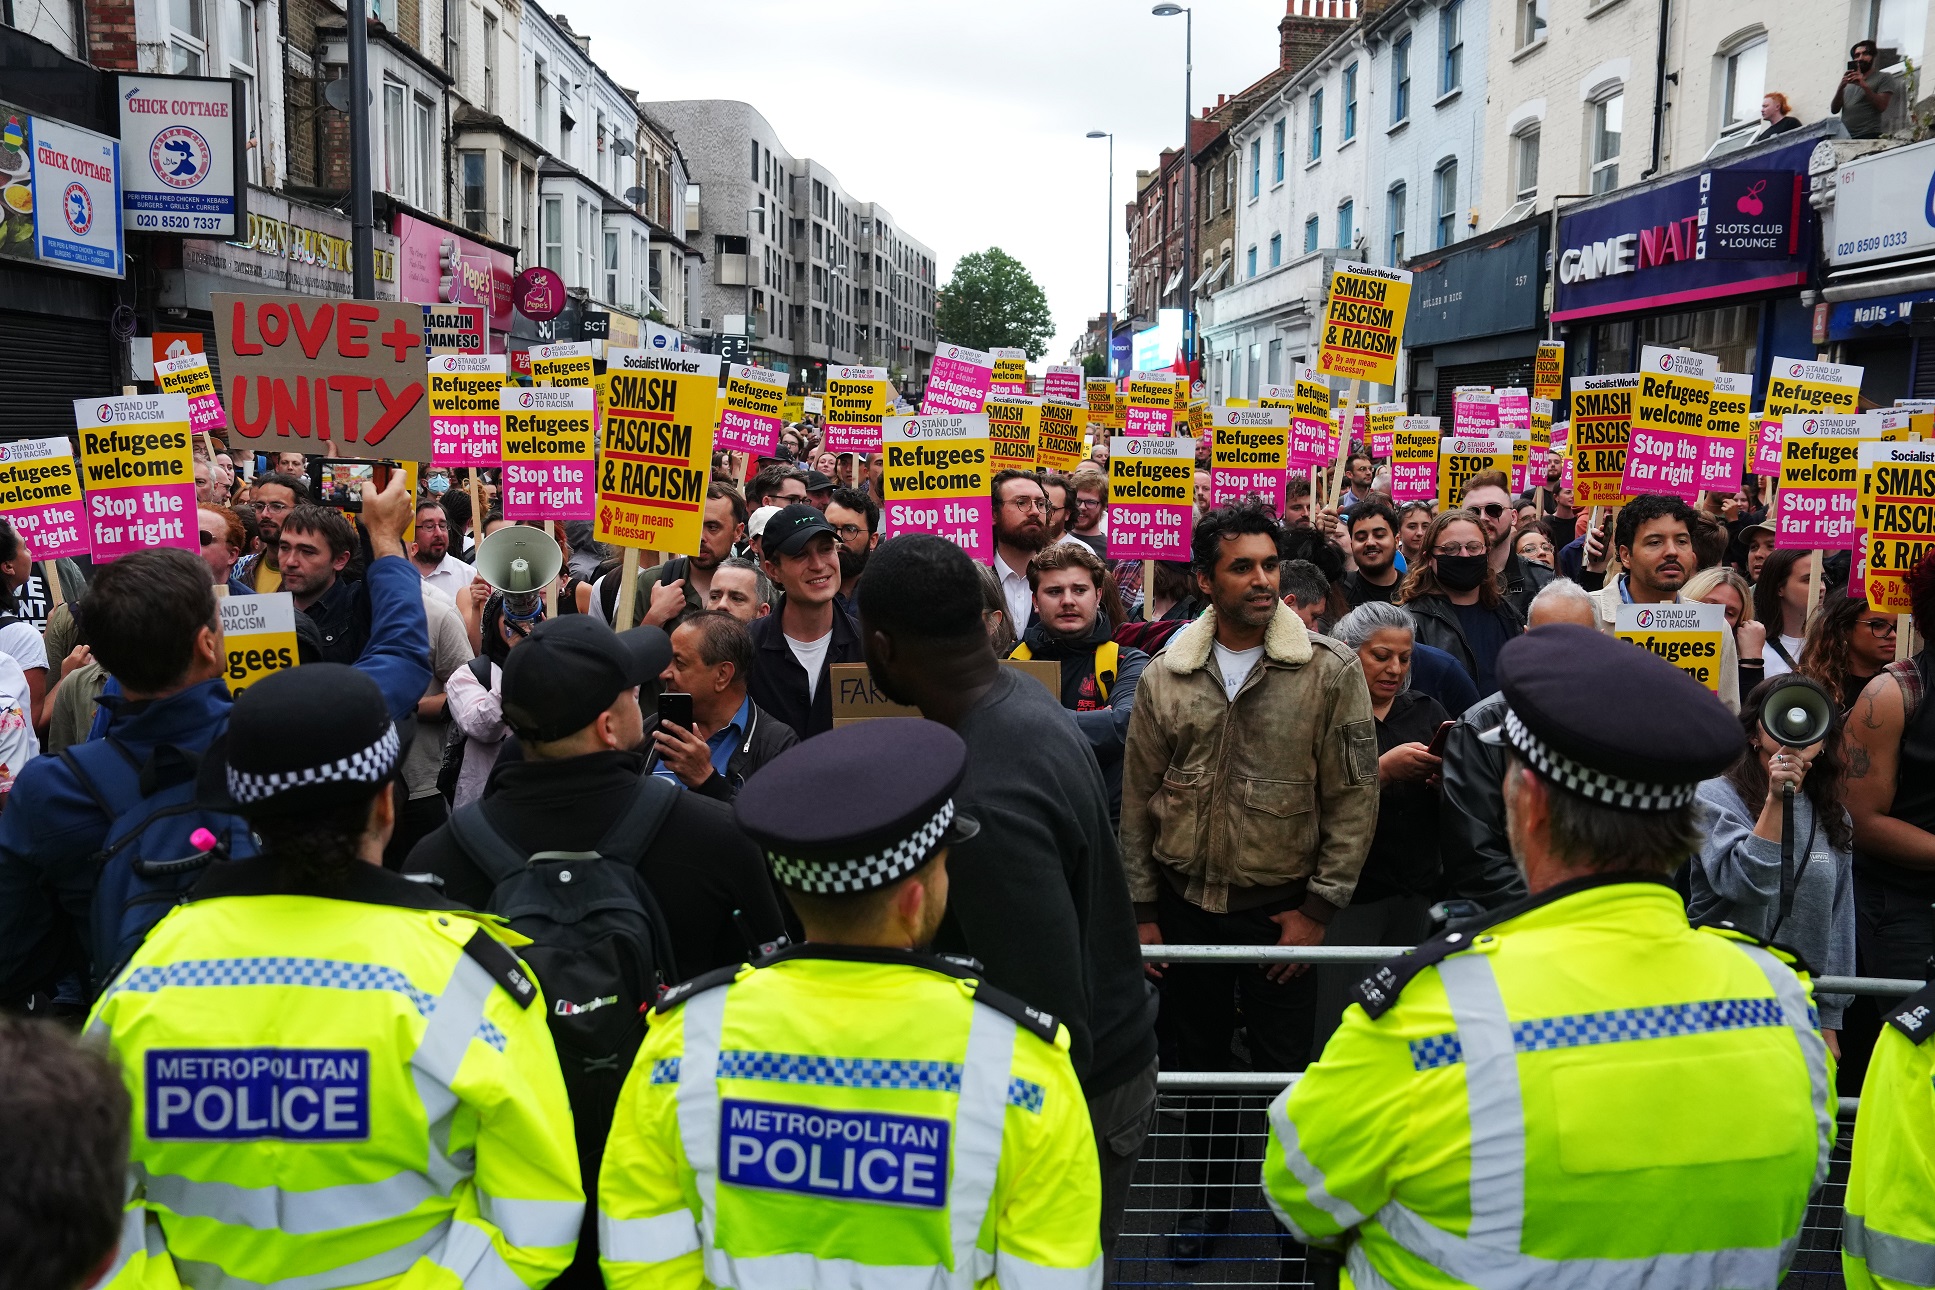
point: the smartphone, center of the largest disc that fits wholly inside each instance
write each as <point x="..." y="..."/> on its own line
<point x="1437" y="745"/>
<point x="346" y="482"/>
<point x="1853" y="66"/>
<point x="675" y="709"/>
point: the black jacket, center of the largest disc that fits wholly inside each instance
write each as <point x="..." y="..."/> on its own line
<point x="701" y="868"/>
<point x="1436" y="624"/>
<point x="1104" y="722"/>
<point x="764" y="739"/>
<point x="1403" y="859"/>
<point x="1523" y="578"/>
<point x="778" y="682"/>
<point x="342" y="616"/>
<point x="1478" y="862"/>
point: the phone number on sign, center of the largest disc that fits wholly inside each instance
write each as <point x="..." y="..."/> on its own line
<point x="143" y="219"/>
<point x="1882" y="242"/>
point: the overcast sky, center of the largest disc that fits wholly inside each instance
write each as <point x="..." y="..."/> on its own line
<point x="965" y="120"/>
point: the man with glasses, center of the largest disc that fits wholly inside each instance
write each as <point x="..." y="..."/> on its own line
<point x="1864" y="95"/>
<point x="274" y="496"/>
<point x="431" y="552"/>
<point x="1061" y="506"/>
<point x="855" y="518"/>
<point x="1020" y="530"/>
<point x="1488" y="494"/>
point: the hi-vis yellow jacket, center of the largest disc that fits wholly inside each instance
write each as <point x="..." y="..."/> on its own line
<point x="860" y="1118"/>
<point x="1888" y="1222"/>
<point x="1587" y="1094"/>
<point x="344" y="1092"/>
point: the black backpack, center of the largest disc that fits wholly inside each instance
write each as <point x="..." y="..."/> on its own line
<point x="451" y="768"/>
<point x="600" y="947"/>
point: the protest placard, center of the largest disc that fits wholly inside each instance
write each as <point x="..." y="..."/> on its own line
<point x="1686" y="634"/>
<point x="1538" y="462"/>
<point x="300" y="372"/>
<point x="1152" y="404"/>
<point x="1901" y="518"/>
<point x="1669" y="423"/>
<point x="1602" y="424"/>
<point x="564" y="365"/>
<point x="1152" y="493"/>
<point x="1414" y="460"/>
<point x="815" y="406"/>
<point x="1104" y="404"/>
<point x="1462" y="456"/>
<point x="1474" y="412"/>
<point x="1815" y="507"/>
<point x="40" y="495"/>
<point x="139" y="472"/>
<point x="258" y="637"/>
<point x="1249" y="455"/>
<point x="455" y="329"/>
<point x="1799" y="385"/>
<point x="957" y="381"/>
<point x="465" y="415"/>
<point x="936" y="480"/>
<point x="1014" y="423"/>
<point x="1064" y="435"/>
<point x="657" y="448"/>
<point x="549" y="438"/>
<point x="856" y="400"/>
<point x="751" y="413"/>
<point x="1363" y="321"/>
<point x="1729" y="432"/>
<point x="1010" y="374"/>
<point x="1548" y="370"/>
<point x="793" y="409"/>
<point x="190" y="375"/>
<point x="857" y="698"/>
<point x="1514" y="412"/>
<point x="1312" y="432"/>
<point x="1380" y="422"/>
<point x="1198" y="417"/>
<point x="1062" y="383"/>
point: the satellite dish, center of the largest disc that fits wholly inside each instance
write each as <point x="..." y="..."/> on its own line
<point x="635" y="195"/>
<point x="337" y="94"/>
<point x="623" y="147"/>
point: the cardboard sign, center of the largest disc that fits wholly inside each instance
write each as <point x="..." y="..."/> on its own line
<point x="1548" y="370"/>
<point x="856" y="698"/>
<point x="465" y="418"/>
<point x="1010" y="374"/>
<point x="1064" y="431"/>
<point x="455" y="329"/>
<point x="1819" y="462"/>
<point x="1799" y="385"/>
<point x="1249" y="455"/>
<point x="304" y="371"/>
<point x="856" y="402"/>
<point x="139" y="473"/>
<point x="1062" y="383"/>
<point x="957" y="381"/>
<point x="1151" y="407"/>
<point x="1602" y="424"/>
<point x="656" y="452"/>
<point x="1901" y="518"/>
<point x="258" y="637"/>
<point x="1462" y="456"/>
<point x="1152" y="497"/>
<point x="1729" y="427"/>
<point x="1014" y="422"/>
<point x="549" y="436"/>
<point x="190" y="375"/>
<point x="753" y="411"/>
<point x="567" y="364"/>
<point x="40" y="495"/>
<point x="1414" y="460"/>
<point x="1668" y="439"/>
<point x="1364" y="323"/>
<point x="936" y="479"/>
<point x="1688" y="635"/>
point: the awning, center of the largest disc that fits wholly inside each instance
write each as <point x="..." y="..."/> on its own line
<point x="1211" y="276"/>
<point x="1174" y="280"/>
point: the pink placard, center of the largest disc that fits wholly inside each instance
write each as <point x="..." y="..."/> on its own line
<point x="1139" y="532"/>
<point x="744" y="432"/>
<point x="1137" y="422"/>
<point x="957" y="382"/>
<point x="466" y="426"/>
<point x="140" y="518"/>
<point x="1414" y="481"/>
<point x="1313" y="442"/>
<point x="1663" y="461"/>
<point x="967" y="522"/>
<point x="1380" y="445"/>
<point x="52" y="530"/>
<point x="850" y="438"/>
<point x="750" y="428"/>
<point x="465" y="441"/>
<point x="205" y="413"/>
<point x="1475" y="414"/>
<point x="1723" y="459"/>
<point x="1063" y="383"/>
<point x="549" y="490"/>
<point x="1227" y="487"/>
<point x="1767" y="447"/>
<point x="1814" y="519"/>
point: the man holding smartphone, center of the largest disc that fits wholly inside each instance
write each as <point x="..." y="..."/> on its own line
<point x="1864" y="95"/>
<point x="710" y="735"/>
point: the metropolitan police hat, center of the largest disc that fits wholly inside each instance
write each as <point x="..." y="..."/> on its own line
<point x="894" y="805"/>
<point x="1610" y="721"/>
<point x="303" y="739"/>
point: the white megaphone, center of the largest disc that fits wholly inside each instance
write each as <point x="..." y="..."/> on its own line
<point x="520" y="561"/>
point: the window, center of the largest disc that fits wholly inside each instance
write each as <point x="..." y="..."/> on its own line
<point x="524" y="209"/>
<point x="428" y="158"/>
<point x="1229" y="182"/>
<point x="1256" y="167"/>
<point x="490" y="61"/>
<point x="1446" y="181"/>
<point x="506" y="202"/>
<point x="1394" y="221"/>
<point x="1276" y="249"/>
<point x="1350" y="102"/>
<point x="1346" y="221"/>
<point x="611" y="267"/>
<point x="537" y="96"/>
<point x="554" y="234"/>
<point x="1746" y="82"/>
<point x="1526" y="160"/>
<point x="1897" y="25"/>
<point x="470" y="169"/>
<point x="1311" y="236"/>
<point x="1276" y="151"/>
<point x="1608" y="119"/>
<point x="755" y="161"/>
<point x="1256" y="354"/>
<point x="1316" y="124"/>
<point x="1249" y="262"/>
<point x="238" y="48"/>
<point x="1273" y="369"/>
<point x="1401" y="78"/>
<point x="396" y="134"/>
<point x="187" y="40"/>
<point x="1531" y="21"/>
<point x="581" y="251"/>
<point x="1451" y="47"/>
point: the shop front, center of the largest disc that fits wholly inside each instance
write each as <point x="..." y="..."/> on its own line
<point x="438" y="265"/>
<point x="1878" y="222"/>
<point x="1475" y="315"/>
<point x="1714" y="260"/>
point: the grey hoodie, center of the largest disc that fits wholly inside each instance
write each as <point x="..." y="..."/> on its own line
<point x="1736" y="877"/>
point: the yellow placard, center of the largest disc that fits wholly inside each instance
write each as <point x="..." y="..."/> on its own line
<point x="547" y="425"/>
<point x="1898" y="503"/>
<point x="1364" y="323"/>
<point x="657" y="449"/>
<point x="258" y="638"/>
<point x="1105" y="405"/>
<point x="1462" y="456"/>
<point x="793" y="409"/>
<point x="1797" y="385"/>
<point x="1014" y="424"/>
<point x="1152" y="404"/>
<point x="567" y="363"/>
<point x="1688" y="635"/>
<point x="1602" y="426"/>
<point x="1064" y="431"/>
<point x="1548" y="370"/>
<point x="1010" y="370"/>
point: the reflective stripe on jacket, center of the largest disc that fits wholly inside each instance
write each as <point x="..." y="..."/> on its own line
<point x="1887" y="1224"/>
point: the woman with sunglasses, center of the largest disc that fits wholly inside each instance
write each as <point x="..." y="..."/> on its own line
<point x="1455" y="599"/>
<point x="1848" y="645"/>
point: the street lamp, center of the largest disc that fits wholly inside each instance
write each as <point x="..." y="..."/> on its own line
<point x="1108" y="278"/>
<point x="1188" y="209"/>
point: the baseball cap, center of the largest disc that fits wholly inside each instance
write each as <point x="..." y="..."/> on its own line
<point x="817" y="482"/>
<point x="787" y="532"/>
<point x="757" y="522"/>
<point x="571" y="668"/>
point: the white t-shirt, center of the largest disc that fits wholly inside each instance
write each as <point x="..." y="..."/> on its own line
<point x="450" y="577"/>
<point x="812" y="655"/>
<point x="18" y="746"/>
<point x="1776" y="665"/>
<point x="21" y="642"/>
<point x="1236" y="666"/>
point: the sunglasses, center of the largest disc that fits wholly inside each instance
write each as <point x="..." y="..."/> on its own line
<point x="1490" y="510"/>
<point x="208" y="539"/>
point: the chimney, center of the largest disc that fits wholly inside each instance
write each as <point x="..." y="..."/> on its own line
<point x="1308" y="26"/>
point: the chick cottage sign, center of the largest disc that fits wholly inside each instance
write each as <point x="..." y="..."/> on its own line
<point x="182" y="138"/>
<point x="1727" y="231"/>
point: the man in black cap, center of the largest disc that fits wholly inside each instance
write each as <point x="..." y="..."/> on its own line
<point x="1583" y="1086"/>
<point x="819" y="489"/>
<point x="807" y="632"/>
<point x="945" y="1135"/>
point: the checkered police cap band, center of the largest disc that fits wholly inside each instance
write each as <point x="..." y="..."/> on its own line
<point x="371" y="765"/>
<point x="866" y="873"/>
<point x="1587" y="782"/>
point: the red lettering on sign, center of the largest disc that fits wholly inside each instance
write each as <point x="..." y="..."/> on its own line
<point x="240" y="330"/>
<point x="352" y="340"/>
<point x="401" y="340"/>
<point x="351" y="388"/>
<point x="312" y="333"/>
<point x="395" y="407"/>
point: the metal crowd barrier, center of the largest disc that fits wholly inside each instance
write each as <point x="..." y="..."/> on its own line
<point x="1220" y="1184"/>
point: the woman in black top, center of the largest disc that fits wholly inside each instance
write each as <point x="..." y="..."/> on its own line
<point x="1848" y="645"/>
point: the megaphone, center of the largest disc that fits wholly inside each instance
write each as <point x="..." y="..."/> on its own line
<point x="1797" y="712"/>
<point x="521" y="562"/>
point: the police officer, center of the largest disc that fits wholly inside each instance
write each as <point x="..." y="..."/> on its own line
<point x="338" y="1076"/>
<point x="851" y="1110"/>
<point x="1584" y="1091"/>
<point x="1887" y="1227"/>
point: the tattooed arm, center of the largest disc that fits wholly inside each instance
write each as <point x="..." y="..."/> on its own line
<point x="1873" y="747"/>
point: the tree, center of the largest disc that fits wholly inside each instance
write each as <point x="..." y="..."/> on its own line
<point x="1095" y="365"/>
<point x="992" y="302"/>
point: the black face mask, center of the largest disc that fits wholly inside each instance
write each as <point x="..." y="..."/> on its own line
<point x="1461" y="572"/>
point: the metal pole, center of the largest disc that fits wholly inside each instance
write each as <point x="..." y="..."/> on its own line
<point x="362" y="207"/>
<point x="1189" y="209"/>
<point x="1108" y="278"/>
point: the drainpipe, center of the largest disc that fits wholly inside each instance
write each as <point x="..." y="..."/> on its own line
<point x="1659" y="92"/>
